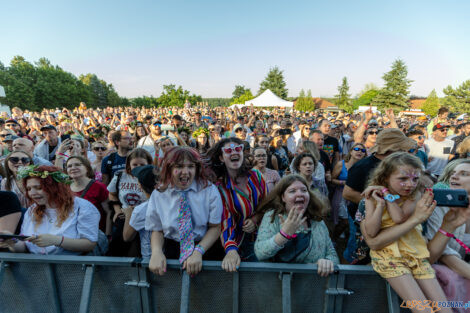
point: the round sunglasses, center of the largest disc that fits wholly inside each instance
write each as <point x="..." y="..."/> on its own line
<point x="232" y="148"/>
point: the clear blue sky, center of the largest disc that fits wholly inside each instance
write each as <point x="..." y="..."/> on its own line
<point x="210" y="46"/>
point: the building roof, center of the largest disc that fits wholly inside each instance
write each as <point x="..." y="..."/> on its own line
<point x="322" y="103"/>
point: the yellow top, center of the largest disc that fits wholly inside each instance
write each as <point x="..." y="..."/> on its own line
<point x="410" y="244"/>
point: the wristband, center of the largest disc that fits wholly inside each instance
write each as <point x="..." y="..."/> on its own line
<point x="450" y="235"/>
<point x="288" y="237"/>
<point x="61" y="242"/>
<point x="62" y="154"/>
<point x="200" y="249"/>
<point x="383" y="191"/>
<point x="391" y="198"/>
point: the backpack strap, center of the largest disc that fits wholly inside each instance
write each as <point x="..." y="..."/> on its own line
<point x="87" y="188"/>
<point x="118" y="180"/>
<point x="109" y="164"/>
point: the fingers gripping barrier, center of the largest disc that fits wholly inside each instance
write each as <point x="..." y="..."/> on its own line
<point x="32" y="283"/>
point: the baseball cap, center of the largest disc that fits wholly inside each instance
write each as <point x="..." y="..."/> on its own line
<point x="11" y="120"/>
<point x="439" y="126"/>
<point x="48" y="127"/>
<point x="10" y="138"/>
<point x="237" y="126"/>
<point x="145" y="175"/>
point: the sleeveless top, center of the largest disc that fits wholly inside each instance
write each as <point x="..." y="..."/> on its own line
<point x="344" y="172"/>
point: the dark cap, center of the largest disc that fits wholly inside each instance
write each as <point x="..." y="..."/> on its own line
<point x="11" y="120"/>
<point x="10" y="138"/>
<point x="48" y="127"/>
<point x="145" y="176"/>
<point x="439" y="126"/>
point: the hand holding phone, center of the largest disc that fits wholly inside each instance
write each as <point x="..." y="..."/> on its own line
<point x="451" y="197"/>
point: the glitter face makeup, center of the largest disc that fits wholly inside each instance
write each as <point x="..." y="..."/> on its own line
<point x="404" y="180"/>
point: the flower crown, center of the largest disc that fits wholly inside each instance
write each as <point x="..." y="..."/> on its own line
<point x="30" y="171"/>
<point x="200" y="131"/>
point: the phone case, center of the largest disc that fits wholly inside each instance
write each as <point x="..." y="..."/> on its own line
<point x="451" y="197"/>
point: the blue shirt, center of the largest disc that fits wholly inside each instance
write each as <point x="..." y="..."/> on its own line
<point x="117" y="164"/>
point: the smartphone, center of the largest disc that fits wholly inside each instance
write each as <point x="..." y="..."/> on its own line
<point x="167" y="127"/>
<point x="19" y="237"/>
<point x="451" y="197"/>
<point x="285" y="131"/>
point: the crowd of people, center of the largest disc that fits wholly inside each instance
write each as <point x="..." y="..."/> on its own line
<point x="243" y="185"/>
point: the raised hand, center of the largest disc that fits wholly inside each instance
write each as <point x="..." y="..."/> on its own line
<point x="295" y="218"/>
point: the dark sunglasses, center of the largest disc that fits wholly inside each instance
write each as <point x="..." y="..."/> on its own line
<point x="373" y="125"/>
<point x="443" y="129"/>
<point x="100" y="148"/>
<point x="3" y="135"/>
<point x="373" y="133"/>
<point x="16" y="160"/>
<point x="360" y="149"/>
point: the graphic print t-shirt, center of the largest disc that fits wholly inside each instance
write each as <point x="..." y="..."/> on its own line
<point x="130" y="193"/>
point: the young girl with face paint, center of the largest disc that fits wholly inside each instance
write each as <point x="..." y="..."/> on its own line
<point x="391" y="198"/>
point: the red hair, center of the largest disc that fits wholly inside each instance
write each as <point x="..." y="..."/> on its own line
<point x="177" y="155"/>
<point x="58" y="194"/>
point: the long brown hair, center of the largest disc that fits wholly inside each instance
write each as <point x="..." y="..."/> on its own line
<point x="59" y="194"/>
<point x="9" y="173"/>
<point x="316" y="208"/>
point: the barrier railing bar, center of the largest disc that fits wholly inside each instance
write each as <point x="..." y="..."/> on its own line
<point x="68" y="259"/>
<point x="329" y="303"/>
<point x="86" y="290"/>
<point x="286" y="294"/>
<point x="392" y="300"/>
<point x="236" y="291"/>
<point x="185" y="286"/>
<point x="3" y="265"/>
<point x="52" y="282"/>
<point x="145" y="292"/>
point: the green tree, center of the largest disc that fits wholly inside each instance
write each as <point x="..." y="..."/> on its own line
<point x="172" y="96"/>
<point x="431" y="105"/>
<point x="274" y="81"/>
<point x="305" y="102"/>
<point x="244" y="97"/>
<point x="365" y="99"/>
<point x="239" y="91"/>
<point x="367" y="87"/>
<point x="343" y="98"/>
<point x="396" y="90"/>
<point x="458" y="99"/>
<point x="144" y="102"/>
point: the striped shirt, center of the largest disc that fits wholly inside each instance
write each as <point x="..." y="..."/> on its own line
<point x="239" y="206"/>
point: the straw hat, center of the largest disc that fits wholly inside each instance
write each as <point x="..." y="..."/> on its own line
<point x="392" y="140"/>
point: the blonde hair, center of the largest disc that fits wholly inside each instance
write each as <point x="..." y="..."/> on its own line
<point x="464" y="147"/>
<point x="311" y="147"/>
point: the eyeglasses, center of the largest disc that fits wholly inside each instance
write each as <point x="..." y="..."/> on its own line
<point x="360" y="149"/>
<point x="373" y="133"/>
<point x="373" y="125"/>
<point x="100" y="148"/>
<point x="16" y="160"/>
<point x="236" y="148"/>
<point x="443" y="130"/>
<point x="260" y="155"/>
<point x="10" y="125"/>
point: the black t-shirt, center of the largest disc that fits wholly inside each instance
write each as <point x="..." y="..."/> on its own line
<point x="325" y="161"/>
<point x="358" y="176"/>
<point x="9" y="203"/>
<point x="330" y="146"/>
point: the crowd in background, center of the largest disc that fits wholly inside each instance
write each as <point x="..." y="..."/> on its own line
<point x="243" y="185"/>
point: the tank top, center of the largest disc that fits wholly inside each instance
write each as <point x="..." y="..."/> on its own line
<point x="344" y="172"/>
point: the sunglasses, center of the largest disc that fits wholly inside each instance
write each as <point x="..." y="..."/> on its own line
<point x="16" y="160"/>
<point x="100" y="148"/>
<point x="373" y="125"/>
<point x="3" y="135"/>
<point x="443" y="130"/>
<point x="238" y="148"/>
<point x="373" y="133"/>
<point x="360" y="149"/>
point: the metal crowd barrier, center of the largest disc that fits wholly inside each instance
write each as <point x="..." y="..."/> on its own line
<point x="36" y="283"/>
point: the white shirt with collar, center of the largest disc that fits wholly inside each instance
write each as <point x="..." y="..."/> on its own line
<point x="163" y="209"/>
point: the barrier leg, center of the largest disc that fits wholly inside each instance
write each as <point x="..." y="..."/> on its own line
<point x="53" y="284"/>
<point x="286" y="296"/>
<point x="185" y="285"/>
<point x="392" y="300"/>
<point x="86" y="290"/>
<point x="145" y="292"/>
<point x="329" y="305"/>
<point x="3" y="265"/>
<point x="236" y="290"/>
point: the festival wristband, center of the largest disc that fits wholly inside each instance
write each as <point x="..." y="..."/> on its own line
<point x="200" y="249"/>
<point x="288" y="237"/>
<point x="450" y="235"/>
<point x="391" y="198"/>
<point x="64" y="155"/>
<point x="61" y="242"/>
<point x="383" y="191"/>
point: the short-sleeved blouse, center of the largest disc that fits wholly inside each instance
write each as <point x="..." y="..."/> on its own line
<point x="81" y="224"/>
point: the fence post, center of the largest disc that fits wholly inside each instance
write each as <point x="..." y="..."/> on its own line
<point x="392" y="300"/>
<point x="286" y="295"/>
<point x="3" y="265"/>
<point x="145" y="292"/>
<point x="329" y="305"/>
<point x="52" y="282"/>
<point x="86" y="290"/>
<point x="236" y="291"/>
<point x="185" y="285"/>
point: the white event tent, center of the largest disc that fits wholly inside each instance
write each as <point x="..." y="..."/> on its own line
<point x="269" y="99"/>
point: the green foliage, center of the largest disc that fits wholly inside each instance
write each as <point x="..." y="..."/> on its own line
<point x="172" y="96"/>
<point x="367" y="87"/>
<point x="304" y="102"/>
<point x="431" y="105"/>
<point x="274" y="81"/>
<point x="144" y="102"/>
<point x="217" y="102"/>
<point x="396" y="90"/>
<point x="43" y="85"/>
<point x="458" y="99"/>
<point x="365" y="99"/>
<point x="343" y="98"/>
<point x="245" y="97"/>
<point x="239" y="91"/>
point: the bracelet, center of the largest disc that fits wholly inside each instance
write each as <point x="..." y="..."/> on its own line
<point x="288" y="237"/>
<point x="384" y="190"/>
<point x="61" y="242"/>
<point x="200" y="249"/>
<point x="450" y="235"/>
<point x="64" y="155"/>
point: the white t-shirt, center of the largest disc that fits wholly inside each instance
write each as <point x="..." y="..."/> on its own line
<point x="82" y="223"/>
<point x="438" y="154"/>
<point x="138" y="223"/>
<point x="163" y="209"/>
<point x="130" y="193"/>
